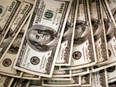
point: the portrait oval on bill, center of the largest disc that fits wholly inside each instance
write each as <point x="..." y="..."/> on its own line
<point x="42" y="38"/>
<point x="109" y="30"/>
<point x="97" y="30"/>
<point x="81" y="33"/>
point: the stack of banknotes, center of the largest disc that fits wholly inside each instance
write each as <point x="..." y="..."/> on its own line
<point x="57" y="43"/>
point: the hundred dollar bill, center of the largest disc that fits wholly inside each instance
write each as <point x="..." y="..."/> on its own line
<point x="6" y="62"/>
<point x="8" y="12"/>
<point x="99" y="32"/>
<point x="99" y="79"/>
<point x="5" y="81"/>
<point x="110" y="36"/>
<point x="112" y="43"/>
<point x="9" y="56"/>
<point x="111" y="72"/>
<point x="86" y="80"/>
<point x="65" y="51"/>
<point x="41" y="42"/>
<point x="22" y="14"/>
<point x="83" y="54"/>
<point x="16" y="27"/>
<point x="20" y="83"/>
<point x="75" y="81"/>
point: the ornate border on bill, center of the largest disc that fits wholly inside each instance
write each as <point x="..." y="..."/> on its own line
<point x="42" y="38"/>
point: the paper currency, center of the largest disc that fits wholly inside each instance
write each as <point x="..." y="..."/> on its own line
<point x="99" y="79"/>
<point x="9" y="9"/>
<point x="111" y="74"/>
<point x="20" y="83"/>
<point x="16" y="27"/>
<point x="99" y="32"/>
<point x="83" y="50"/>
<point x="5" y="81"/>
<point x="9" y="56"/>
<point x="42" y="38"/>
<point x="86" y="65"/>
<point x="110" y="34"/>
<point x="86" y="80"/>
<point x="6" y="62"/>
<point x="65" y="51"/>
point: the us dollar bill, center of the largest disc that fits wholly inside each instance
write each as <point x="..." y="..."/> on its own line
<point x="7" y="61"/>
<point x="20" y="17"/>
<point x="111" y="74"/>
<point x="16" y="27"/>
<point x="20" y="83"/>
<point x="75" y="81"/>
<point x="83" y="54"/>
<point x="65" y="51"/>
<point x="8" y="10"/>
<point x="41" y="42"/>
<point x="110" y="34"/>
<point x="86" y="80"/>
<point x="5" y="81"/>
<point x="99" y="32"/>
<point x="99" y="79"/>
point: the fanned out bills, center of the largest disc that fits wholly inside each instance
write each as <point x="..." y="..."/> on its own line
<point x="57" y="43"/>
<point x="65" y="50"/>
<point x="83" y="54"/>
<point x="112" y="42"/>
<point x="16" y="26"/>
<point x="110" y="31"/>
<point x="9" y="10"/>
<point x="7" y="61"/>
<point x="99" y="32"/>
<point x="40" y="44"/>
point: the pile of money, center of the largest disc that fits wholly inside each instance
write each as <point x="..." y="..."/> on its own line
<point x="57" y="43"/>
